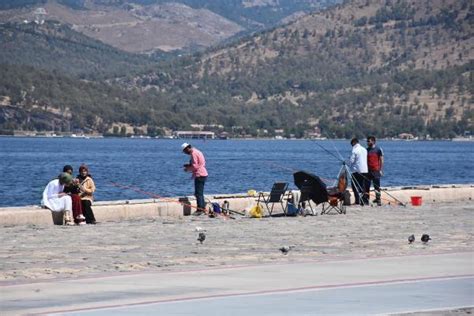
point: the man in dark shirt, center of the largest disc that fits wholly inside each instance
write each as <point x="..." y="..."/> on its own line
<point x="375" y="166"/>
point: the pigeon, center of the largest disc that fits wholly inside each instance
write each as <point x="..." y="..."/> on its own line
<point x="425" y="238"/>
<point x="201" y="237"/>
<point x="411" y="239"/>
<point x="285" y="249"/>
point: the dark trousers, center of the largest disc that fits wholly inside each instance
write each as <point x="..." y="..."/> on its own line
<point x="359" y="188"/>
<point x="373" y="177"/>
<point x="199" y="192"/>
<point x="87" y="211"/>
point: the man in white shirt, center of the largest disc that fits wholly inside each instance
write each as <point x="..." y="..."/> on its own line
<point x="56" y="200"/>
<point x="358" y="165"/>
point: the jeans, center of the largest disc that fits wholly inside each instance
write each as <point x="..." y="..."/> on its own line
<point x="374" y="176"/>
<point x="199" y="192"/>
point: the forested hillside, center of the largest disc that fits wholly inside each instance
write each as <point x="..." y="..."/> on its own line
<point x="56" y="47"/>
<point x="377" y="66"/>
<point x="368" y="66"/>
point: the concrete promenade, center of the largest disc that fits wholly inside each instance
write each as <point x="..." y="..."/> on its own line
<point x="359" y="263"/>
<point x="171" y="207"/>
<point x="392" y="284"/>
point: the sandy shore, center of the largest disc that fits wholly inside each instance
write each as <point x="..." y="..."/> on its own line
<point x="43" y="252"/>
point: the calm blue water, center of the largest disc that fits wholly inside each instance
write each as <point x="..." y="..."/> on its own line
<point x="27" y="164"/>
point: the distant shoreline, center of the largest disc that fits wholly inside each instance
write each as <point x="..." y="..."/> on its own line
<point x="456" y="139"/>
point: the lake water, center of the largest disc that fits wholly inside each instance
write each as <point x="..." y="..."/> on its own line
<point x="155" y="166"/>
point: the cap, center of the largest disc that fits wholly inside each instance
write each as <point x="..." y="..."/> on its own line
<point x="65" y="177"/>
<point x="184" y="146"/>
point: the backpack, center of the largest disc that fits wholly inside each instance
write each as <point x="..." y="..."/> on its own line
<point x="292" y="210"/>
<point x="216" y="208"/>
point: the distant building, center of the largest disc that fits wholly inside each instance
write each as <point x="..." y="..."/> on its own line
<point x="195" y="134"/>
<point x="40" y="15"/>
<point x="224" y="135"/>
<point x="406" y="136"/>
<point x="279" y="132"/>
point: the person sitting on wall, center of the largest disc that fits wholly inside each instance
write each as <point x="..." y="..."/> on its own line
<point x="56" y="200"/>
<point x="87" y="186"/>
<point x="73" y="190"/>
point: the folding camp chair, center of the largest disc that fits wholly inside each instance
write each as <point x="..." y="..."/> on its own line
<point x="337" y="195"/>
<point x="276" y="195"/>
<point x="314" y="189"/>
<point x="305" y="198"/>
<point x="311" y="187"/>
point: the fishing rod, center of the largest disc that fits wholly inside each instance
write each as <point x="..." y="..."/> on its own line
<point x="295" y="170"/>
<point x="334" y="146"/>
<point x="332" y="154"/>
<point x="365" y="178"/>
<point x="225" y="207"/>
<point x="156" y="196"/>
<point x="388" y="200"/>
<point x="397" y="200"/>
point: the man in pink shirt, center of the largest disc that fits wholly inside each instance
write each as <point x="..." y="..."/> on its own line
<point x="196" y="165"/>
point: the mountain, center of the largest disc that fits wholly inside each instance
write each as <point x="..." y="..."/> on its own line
<point x="55" y="47"/>
<point x="378" y="66"/>
<point x="383" y="67"/>
<point x="146" y="26"/>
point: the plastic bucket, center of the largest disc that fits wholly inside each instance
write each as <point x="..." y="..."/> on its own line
<point x="416" y="200"/>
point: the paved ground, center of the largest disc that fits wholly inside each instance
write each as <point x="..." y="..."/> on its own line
<point x="47" y="252"/>
<point x="54" y="268"/>
<point x="359" y="300"/>
<point x="352" y="286"/>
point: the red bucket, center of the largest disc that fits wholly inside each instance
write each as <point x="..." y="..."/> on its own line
<point x="416" y="200"/>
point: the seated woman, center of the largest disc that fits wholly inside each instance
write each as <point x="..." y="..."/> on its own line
<point x="73" y="190"/>
<point x="56" y="200"/>
<point x="87" y="186"/>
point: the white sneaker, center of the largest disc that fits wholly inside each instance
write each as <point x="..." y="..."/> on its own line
<point x="80" y="218"/>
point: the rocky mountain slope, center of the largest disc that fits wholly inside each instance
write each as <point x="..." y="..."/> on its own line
<point x="368" y="66"/>
<point x="147" y="26"/>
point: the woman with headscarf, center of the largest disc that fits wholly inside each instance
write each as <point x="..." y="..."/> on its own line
<point x="56" y="200"/>
<point x="87" y="186"/>
<point x="73" y="190"/>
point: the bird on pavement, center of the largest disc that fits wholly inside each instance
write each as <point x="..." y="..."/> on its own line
<point x="411" y="239"/>
<point x="285" y="249"/>
<point x="425" y="238"/>
<point x="201" y="237"/>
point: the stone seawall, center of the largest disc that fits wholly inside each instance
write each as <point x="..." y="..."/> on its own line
<point x="173" y="207"/>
